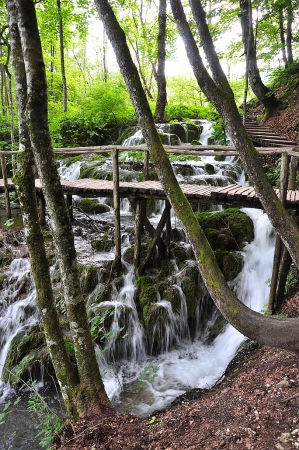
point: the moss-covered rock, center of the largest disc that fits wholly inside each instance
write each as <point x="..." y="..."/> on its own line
<point x="2" y="280"/>
<point x="6" y="256"/>
<point x="230" y="263"/>
<point x="172" y="295"/>
<point x="104" y="293"/>
<point x="227" y="230"/>
<point x="102" y="245"/>
<point x="89" y="279"/>
<point x="92" y="206"/>
<point x="218" y="328"/>
<point x="147" y="293"/>
<point x="210" y="169"/>
<point x="157" y="323"/>
<point x="180" y="253"/>
<point x="26" y="356"/>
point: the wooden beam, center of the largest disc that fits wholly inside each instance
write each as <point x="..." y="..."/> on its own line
<point x="155" y="238"/>
<point x="4" y="175"/>
<point x="116" y="205"/>
<point x="284" y="172"/>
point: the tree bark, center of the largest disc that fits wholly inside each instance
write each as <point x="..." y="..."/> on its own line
<point x="290" y="18"/>
<point x="25" y="184"/>
<point x="268" y="330"/>
<point x="160" y="75"/>
<point x="90" y="392"/>
<point x="62" y="59"/>
<point x="263" y="93"/>
<point x="282" y="38"/>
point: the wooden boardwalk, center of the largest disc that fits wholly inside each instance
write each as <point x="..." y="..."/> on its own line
<point x="232" y="194"/>
<point x="265" y="137"/>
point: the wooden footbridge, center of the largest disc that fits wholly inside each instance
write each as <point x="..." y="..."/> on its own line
<point x="266" y="142"/>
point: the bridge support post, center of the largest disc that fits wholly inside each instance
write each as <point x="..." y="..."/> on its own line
<point x="156" y="237"/>
<point x="4" y="175"/>
<point x="116" y="205"/>
<point x="138" y="231"/>
<point x="284" y="172"/>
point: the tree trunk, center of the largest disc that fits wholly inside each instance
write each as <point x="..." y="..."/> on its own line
<point x="160" y="75"/>
<point x="290" y="18"/>
<point x="91" y="392"/>
<point x="268" y="330"/>
<point x="62" y="61"/>
<point x="282" y="38"/>
<point x="263" y="93"/>
<point x="25" y="184"/>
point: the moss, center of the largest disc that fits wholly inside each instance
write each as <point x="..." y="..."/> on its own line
<point x="92" y="206"/>
<point x="180" y="253"/>
<point x="128" y="255"/>
<point x="73" y="159"/>
<point x="2" y="279"/>
<point x="229" y="263"/>
<point x="147" y="291"/>
<point x="209" y="168"/>
<point x="218" y="328"/>
<point x="102" y="245"/>
<point x="104" y="293"/>
<point x="89" y="279"/>
<point x="167" y="268"/>
<point x="172" y="295"/>
<point x="227" y="230"/>
<point x="26" y="353"/>
<point x="6" y="256"/>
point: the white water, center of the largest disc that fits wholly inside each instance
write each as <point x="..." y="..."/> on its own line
<point x="195" y="364"/>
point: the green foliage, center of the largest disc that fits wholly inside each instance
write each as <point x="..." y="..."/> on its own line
<point x="97" y="325"/>
<point x="47" y="421"/>
<point x="7" y="409"/>
<point x="148" y="374"/>
<point x="218" y="135"/>
<point x="182" y="111"/>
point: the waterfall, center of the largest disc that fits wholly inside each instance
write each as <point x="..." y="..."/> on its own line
<point x="197" y="364"/>
<point x="180" y="363"/>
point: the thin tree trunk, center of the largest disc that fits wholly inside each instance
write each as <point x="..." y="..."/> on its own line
<point x="290" y="18"/>
<point x="91" y="392"/>
<point x="262" y="92"/>
<point x="62" y="59"/>
<point x="282" y="38"/>
<point x="161" y="79"/>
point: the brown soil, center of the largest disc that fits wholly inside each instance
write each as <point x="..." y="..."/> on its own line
<point x="255" y="406"/>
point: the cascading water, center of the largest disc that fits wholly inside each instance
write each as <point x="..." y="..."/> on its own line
<point x="183" y="363"/>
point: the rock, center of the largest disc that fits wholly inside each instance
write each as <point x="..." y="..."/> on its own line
<point x="284" y="383"/>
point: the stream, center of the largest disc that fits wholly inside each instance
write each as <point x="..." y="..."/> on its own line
<point x="187" y="364"/>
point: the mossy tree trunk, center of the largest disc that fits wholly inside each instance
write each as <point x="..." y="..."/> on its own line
<point x="90" y="391"/>
<point x="268" y="330"/>
<point x="24" y="181"/>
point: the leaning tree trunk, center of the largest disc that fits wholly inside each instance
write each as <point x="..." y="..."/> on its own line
<point x="160" y="75"/>
<point x="263" y="93"/>
<point x="25" y="183"/>
<point x="265" y="329"/>
<point x="91" y="392"/>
